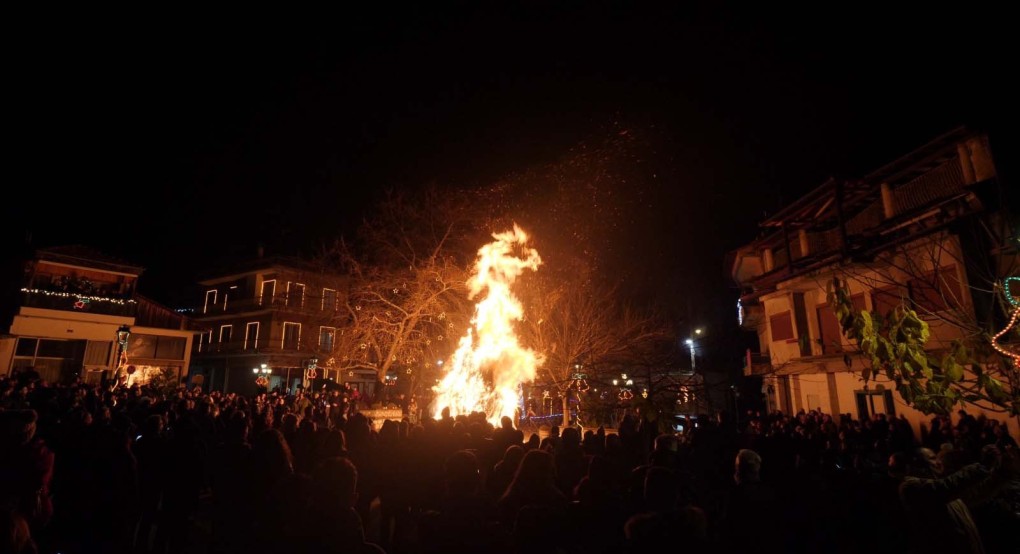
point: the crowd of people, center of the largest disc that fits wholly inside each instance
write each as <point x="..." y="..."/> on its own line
<point x="86" y="468"/>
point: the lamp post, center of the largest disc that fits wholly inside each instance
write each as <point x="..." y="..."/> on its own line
<point x="690" y="344"/>
<point x="262" y="374"/>
<point x="123" y="334"/>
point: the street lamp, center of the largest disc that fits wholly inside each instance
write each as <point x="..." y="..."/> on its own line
<point x="123" y="334"/>
<point x="690" y="344"/>
<point x="262" y="374"/>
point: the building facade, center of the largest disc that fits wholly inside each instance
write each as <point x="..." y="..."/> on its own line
<point x="912" y="233"/>
<point x="274" y="319"/>
<point x="78" y="315"/>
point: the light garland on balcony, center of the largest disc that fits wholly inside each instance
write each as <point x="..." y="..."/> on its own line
<point x="995" y="340"/>
<point x="1013" y="301"/>
<point x="81" y="297"/>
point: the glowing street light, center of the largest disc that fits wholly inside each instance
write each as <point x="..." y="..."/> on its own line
<point x="690" y="344"/>
<point x="262" y="374"/>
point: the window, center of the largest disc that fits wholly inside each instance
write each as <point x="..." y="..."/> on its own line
<point x="329" y="299"/>
<point x="831" y="337"/>
<point x="226" y="295"/>
<point x="251" y="335"/>
<point x="225" y="332"/>
<point x="800" y="311"/>
<point x="55" y="360"/>
<point x="295" y="295"/>
<point x="831" y="331"/>
<point x="782" y="326"/>
<point x="873" y="402"/>
<point x="936" y="292"/>
<point x="26" y="347"/>
<point x="170" y="348"/>
<point x="326" y="336"/>
<point x="141" y="345"/>
<point x="97" y="352"/>
<point x="268" y="292"/>
<point x="210" y="299"/>
<point x="885" y="299"/>
<point x="204" y="339"/>
<point x="291" y="336"/>
<point x="59" y="348"/>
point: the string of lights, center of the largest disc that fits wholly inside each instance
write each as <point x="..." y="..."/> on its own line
<point x="80" y="297"/>
<point x="1015" y="302"/>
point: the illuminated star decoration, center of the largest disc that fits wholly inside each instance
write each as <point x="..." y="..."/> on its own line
<point x="1015" y="303"/>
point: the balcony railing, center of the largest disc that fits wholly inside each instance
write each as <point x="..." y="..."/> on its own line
<point x="72" y="302"/>
<point x="758" y="364"/>
<point x="245" y="305"/>
<point x="261" y="347"/>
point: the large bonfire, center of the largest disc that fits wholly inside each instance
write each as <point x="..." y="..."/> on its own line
<point x="486" y="372"/>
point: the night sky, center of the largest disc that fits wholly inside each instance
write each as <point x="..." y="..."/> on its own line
<point x="178" y="146"/>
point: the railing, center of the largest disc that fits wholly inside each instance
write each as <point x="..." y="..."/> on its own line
<point x="261" y="347"/>
<point x="72" y="302"/>
<point x="244" y="305"/>
<point x="758" y="364"/>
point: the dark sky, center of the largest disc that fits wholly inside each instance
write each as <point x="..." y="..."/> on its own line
<point x="179" y="145"/>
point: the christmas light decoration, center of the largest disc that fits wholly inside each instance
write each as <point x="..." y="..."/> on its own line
<point x="80" y="297"/>
<point x="1012" y="298"/>
<point x="1014" y="317"/>
<point x="999" y="348"/>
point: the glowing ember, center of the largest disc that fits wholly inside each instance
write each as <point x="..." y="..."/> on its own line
<point x="486" y="371"/>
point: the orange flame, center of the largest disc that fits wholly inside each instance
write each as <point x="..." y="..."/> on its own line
<point x="486" y="371"/>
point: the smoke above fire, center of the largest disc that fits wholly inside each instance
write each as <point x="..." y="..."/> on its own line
<point x="486" y="372"/>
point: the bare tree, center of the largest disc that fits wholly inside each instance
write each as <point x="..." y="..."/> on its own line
<point x="402" y="296"/>
<point x="580" y="328"/>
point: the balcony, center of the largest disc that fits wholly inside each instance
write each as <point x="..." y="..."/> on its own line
<point x="757" y="364"/>
<point x="82" y="303"/>
<point x="247" y="305"/>
<point x="236" y="347"/>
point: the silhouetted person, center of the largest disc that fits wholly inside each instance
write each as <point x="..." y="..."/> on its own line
<point x="533" y="506"/>
<point x="503" y="472"/>
<point x="332" y="525"/>
<point x="662" y="520"/>
<point x="462" y="520"/>
<point x="751" y="510"/>
<point x="26" y="468"/>
<point x="937" y="504"/>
